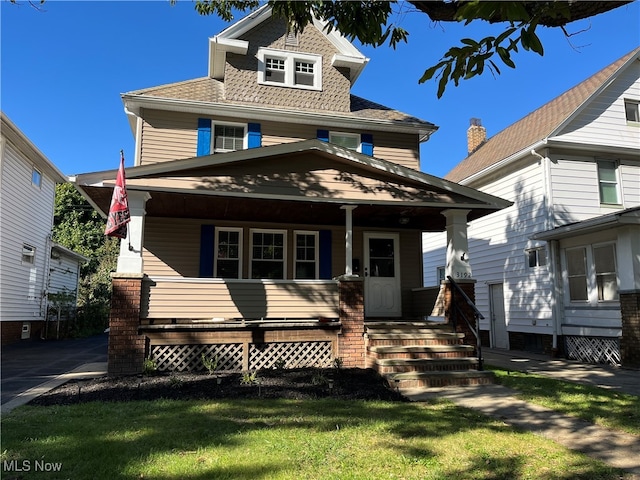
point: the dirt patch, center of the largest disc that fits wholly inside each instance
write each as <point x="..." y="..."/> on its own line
<point x="299" y="384"/>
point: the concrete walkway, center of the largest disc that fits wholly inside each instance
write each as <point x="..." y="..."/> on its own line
<point x="617" y="449"/>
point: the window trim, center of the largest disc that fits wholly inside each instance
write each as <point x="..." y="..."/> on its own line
<point x="35" y="171"/>
<point x="357" y="136"/>
<point x="245" y="136"/>
<point x="616" y="167"/>
<point x="636" y="103"/>
<point x="316" y="261"/>
<point x="290" y="59"/>
<point x="216" y="244"/>
<point x="284" y="234"/>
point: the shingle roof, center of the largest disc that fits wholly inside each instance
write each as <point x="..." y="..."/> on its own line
<point x="210" y="90"/>
<point x="536" y="126"/>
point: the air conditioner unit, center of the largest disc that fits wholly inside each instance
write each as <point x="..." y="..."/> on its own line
<point x="28" y="251"/>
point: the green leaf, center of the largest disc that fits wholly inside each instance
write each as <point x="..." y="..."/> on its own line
<point x="505" y="57"/>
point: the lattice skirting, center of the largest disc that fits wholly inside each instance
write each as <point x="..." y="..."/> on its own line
<point x="593" y="349"/>
<point x="188" y="358"/>
<point x="290" y="355"/>
<point x="233" y="357"/>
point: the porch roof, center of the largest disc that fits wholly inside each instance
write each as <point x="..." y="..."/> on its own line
<point x="303" y="182"/>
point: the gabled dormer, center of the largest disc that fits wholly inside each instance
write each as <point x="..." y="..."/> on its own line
<point x="260" y="61"/>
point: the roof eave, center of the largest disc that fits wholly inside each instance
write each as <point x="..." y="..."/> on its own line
<point x="597" y="224"/>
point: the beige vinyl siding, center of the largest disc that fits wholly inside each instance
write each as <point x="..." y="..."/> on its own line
<point x="299" y="175"/>
<point x="399" y="148"/>
<point x="248" y="299"/>
<point x="168" y="136"/>
<point x="26" y="216"/>
<point x="171" y="247"/>
<point x="410" y="268"/>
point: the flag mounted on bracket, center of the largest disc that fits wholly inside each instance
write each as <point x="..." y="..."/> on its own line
<point x="119" y="215"/>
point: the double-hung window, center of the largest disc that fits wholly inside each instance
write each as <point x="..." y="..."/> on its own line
<point x="289" y="69"/>
<point x="268" y="253"/>
<point x="592" y="273"/>
<point x="228" y="138"/>
<point x="577" y="274"/>
<point x="608" y="182"/>
<point x="306" y="255"/>
<point x="228" y="253"/>
<point x="604" y="260"/>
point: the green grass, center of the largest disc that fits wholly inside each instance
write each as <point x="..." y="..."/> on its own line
<point x="601" y="406"/>
<point x="281" y="439"/>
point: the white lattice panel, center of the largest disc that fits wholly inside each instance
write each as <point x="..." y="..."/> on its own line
<point x="290" y="355"/>
<point x="593" y="349"/>
<point x="188" y="358"/>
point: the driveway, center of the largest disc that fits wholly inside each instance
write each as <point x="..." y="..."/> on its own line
<point x="27" y="364"/>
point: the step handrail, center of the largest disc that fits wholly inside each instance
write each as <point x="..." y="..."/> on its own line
<point x="476" y="314"/>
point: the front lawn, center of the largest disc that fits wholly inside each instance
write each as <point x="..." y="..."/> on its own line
<point x="601" y="406"/>
<point x="278" y="439"/>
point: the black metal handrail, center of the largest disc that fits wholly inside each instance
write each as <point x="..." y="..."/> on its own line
<point x="476" y="314"/>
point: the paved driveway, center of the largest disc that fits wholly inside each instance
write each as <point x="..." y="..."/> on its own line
<point x="30" y="363"/>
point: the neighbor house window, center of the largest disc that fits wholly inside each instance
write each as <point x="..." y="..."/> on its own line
<point x="536" y="257"/>
<point x="440" y="274"/>
<point x="306" y="255"/>
<point x="289" y="69"/>
<point x="608" y="182"/>
<point x="577" y="274"/>
<point x="604" y="259"/>
<point x="347" y="140"/>
<point x="28" y="254"/>
<point x="228" y="138"/>
<point x="36" y="177"/>
<point x="228" y="257"/>
<point x="632" y="111"/>
<point x="268" y="254"/>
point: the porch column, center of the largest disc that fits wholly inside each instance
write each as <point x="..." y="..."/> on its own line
<point x="126" y="350"/>
<point x="348" y="238"/>
<point x="130" y="258"/>
<point x="628" y="253"/>
<point x="351" y="348"/>
<point x="457" y="265"/>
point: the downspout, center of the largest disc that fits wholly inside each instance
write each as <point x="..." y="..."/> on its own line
<point x="46" y="279"/>
<point x="558" y="306"/>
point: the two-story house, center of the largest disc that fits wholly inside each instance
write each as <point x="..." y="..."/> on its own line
<point x="271" y="209"/>
<point x="33" y="267"/>
<point x="559" y="271"/>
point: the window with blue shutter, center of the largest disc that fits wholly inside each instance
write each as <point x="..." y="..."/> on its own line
<point x="366" y="144"/>
<point x="323" y="135"/>
<point x="204" y="136"/>
<point x="325" y="254"/>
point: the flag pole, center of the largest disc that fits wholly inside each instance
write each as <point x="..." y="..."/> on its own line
<point x="128" y="229"/>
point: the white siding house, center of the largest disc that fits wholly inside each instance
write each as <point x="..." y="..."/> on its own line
<point x="557" y="271"/>
<point x="27" y="192"/>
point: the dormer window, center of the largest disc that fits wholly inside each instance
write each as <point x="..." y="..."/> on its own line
<point x="289" y="69"/>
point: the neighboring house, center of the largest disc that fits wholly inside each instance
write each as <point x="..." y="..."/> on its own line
<point x="271" y="210"/>
<point x="560" y="269"/>
<point x="29" y="260"/>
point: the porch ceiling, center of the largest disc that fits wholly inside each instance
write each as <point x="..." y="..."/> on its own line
<point x="180" y="205"/>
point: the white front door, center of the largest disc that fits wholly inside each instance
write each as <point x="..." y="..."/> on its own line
<point x="382" y="275"/>
<point x="499" y="334"/>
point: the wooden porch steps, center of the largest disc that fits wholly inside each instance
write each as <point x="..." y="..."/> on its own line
<point x="414" y="354"/>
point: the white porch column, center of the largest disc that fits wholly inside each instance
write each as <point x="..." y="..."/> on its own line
<point x="457" y="266"/>
<point x="348" y="238"/>
<point x="130" y="258"/>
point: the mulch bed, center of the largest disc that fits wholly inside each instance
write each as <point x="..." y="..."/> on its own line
<point x="298" y="384"/>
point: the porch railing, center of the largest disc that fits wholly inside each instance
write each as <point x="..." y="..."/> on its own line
<point x="459" y="312"/>
<point x="220" y="299"/>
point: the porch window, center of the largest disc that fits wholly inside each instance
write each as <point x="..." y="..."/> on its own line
<point x="306" y="255"/>
<point x="268" y="248"/>
<point x="608" y="182"/>
<point x="228" y="248"/>
<point x="604" y="259"/>
<point x="577" y="274"/>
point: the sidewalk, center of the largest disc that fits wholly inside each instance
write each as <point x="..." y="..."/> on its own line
<point x="617" y="449"/>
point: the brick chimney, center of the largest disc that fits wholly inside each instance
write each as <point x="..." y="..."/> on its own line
<point x="476" y="135"/>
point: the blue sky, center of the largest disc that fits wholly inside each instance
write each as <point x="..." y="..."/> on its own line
<point x="63" y="70"/>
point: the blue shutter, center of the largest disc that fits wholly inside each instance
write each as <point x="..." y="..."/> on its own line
<point x="366" y="144"/>
<point x="204" y="136"/>
<point x="255" y="135"/>
<point x="325" y="254"/>
<point x="207" y="241"/>
<point x="323" y="135"/>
